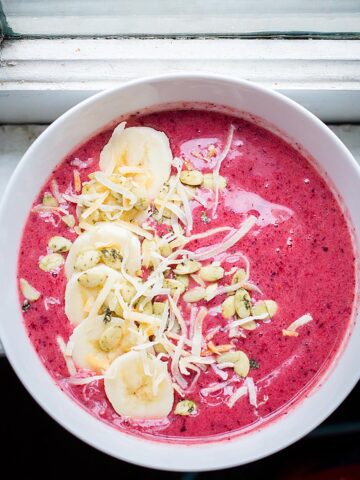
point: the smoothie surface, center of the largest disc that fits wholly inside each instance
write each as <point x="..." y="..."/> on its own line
<point x="300" y="253"/>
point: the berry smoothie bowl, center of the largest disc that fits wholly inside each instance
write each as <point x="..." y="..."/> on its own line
<point x="179" y="287"/>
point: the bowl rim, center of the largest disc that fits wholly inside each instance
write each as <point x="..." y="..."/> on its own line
<point x="193" y="457"/>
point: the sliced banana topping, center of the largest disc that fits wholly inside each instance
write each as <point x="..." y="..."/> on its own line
<point x="99" y="340"/>
<point x="106" y="244"/>
<point x="96" y="342"/>
<point x="83" y="289"/>
<point x="139" y="386"/>
<point x="140" y="147"/>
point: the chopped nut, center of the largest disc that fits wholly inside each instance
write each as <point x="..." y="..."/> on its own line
<point x="174" y="285"/>
<point x="165" y="249"/>
<point x="141" y="204"/>
<point x="51" y="262"/>
<point x="268" y="307"/>
<point x="87" y="259"/>
<point x="191" y="177"/>
<point x="229" y="357"/>
<point x="93" y="218"/>
<point x="148" y="308"/>
<point x="59" y="244"/>
<point x="158" y="308"/>
<point x="69" y="220"/>
<point x="210" y="273"/>
<point x="88" y="187"/>
<point x="49" y="200"/>
<point x="187" y="267"/>
<point x="242" y="303"/>
<point x="185" y="407"/>
<point x="242" y="366"/>
<point x="228" y="307"/>
<point x="111" y="257"/>
<point x="29" y="292"/>
<point x="272" y="307"/>
<point x="210" y="290"/>
<point x="184" y="279"/>
<point x="127" y="291"/>
<point x="208" y="181"/>
<point x="92" y="279"/>
<point x="129" y="215"/>
<point x="112" y="303"/>
<point x="148" y="247"/>
<point x="159" y="348"/>
<point x="111" y="338"/>
<point x="239" y="276"/>
<point x="194" y="295"/>
<point x="251" y="325"/>
<point x="259" y="309"/>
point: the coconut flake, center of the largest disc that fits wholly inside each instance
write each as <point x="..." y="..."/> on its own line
<point x="212" y="332"/>
<point x="215" y="388"/>
<point x="196" y="377"/>
<point x="242" y="321"/>
<point x="303" y="320"/>
<point x="80" y="163"/>
<point x="223" y="290"/>
<point x="54" y="187"/>
<point x="178" y="316"/>
<point x="197" y="338"/>
<point x="50" y="301"/>
<point x="68" y="360"/>
<point x="85" y="380"/>
<point x="134" y="228"/>
<point x="218" y="166"/>
<point x="181" y="241"/>
<point x="178" y="390"/>
<point x="219" y="372"/>
<point x="252" y="390"/>
<point x="228" y="242"/>
<point x="201" y="362"/>
<point x="180" y="380"/>
<point x="187" y="209"/>
<point x="240" y="392"/>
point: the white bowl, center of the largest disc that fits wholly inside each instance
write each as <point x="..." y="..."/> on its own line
<point x="76" y="126"/>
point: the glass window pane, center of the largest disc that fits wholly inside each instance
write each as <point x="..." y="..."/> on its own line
<point x="58" y="18"/>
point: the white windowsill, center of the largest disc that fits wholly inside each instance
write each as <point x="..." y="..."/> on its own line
<point x="40" y="79"/>
<point x="15" y="139"/>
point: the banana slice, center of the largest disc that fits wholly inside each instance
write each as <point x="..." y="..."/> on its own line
<point x="88" y="345"/>
<point x="88" y="249"/>
<point x="98" y="340"/>
<point x="141" y="147"/>
<point x="82" y="291"/>
<point x="139" y="386"/>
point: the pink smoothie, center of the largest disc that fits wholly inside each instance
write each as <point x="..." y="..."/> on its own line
<point x="300" y="252"/>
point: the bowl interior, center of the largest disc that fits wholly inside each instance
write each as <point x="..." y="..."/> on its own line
<point x="72" y="129"/>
